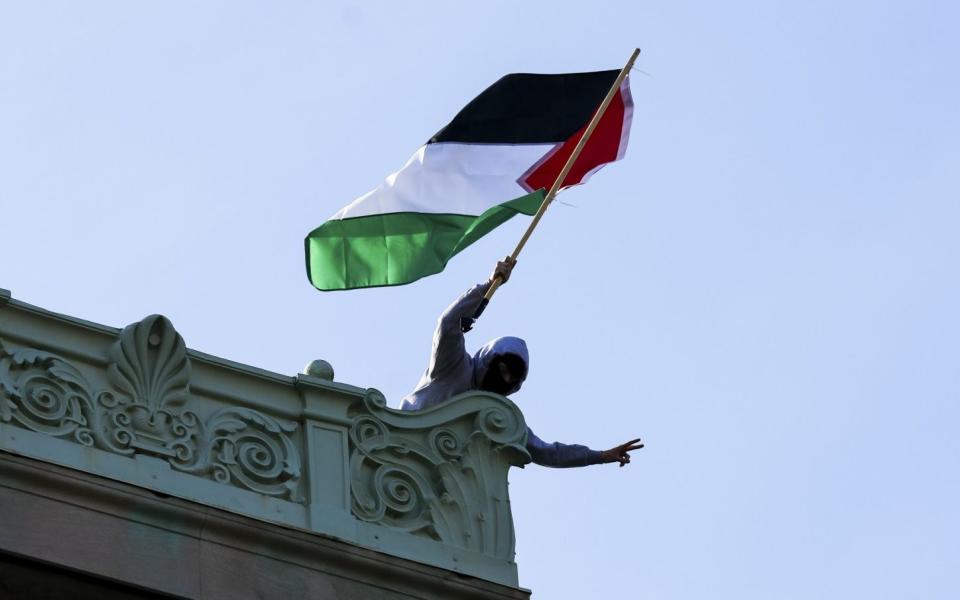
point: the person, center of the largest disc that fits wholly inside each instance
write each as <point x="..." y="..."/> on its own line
<point x="501" y="366"/>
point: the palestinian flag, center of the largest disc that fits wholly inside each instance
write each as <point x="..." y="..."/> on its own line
<point x="496" y="158"/>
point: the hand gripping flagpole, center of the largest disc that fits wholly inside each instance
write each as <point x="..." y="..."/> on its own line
<point x="466" y="323"/>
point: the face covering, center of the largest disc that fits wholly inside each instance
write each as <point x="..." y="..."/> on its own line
<point x="501" y="377"/>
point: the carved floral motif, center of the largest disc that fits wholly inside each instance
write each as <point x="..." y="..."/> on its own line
<point x="43" y="392"/>
<point x="145" y="412"/>
<point x="439" y="473"/>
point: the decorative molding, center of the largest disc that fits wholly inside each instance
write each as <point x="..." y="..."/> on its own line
<point x="44" y="393"/>
<point x="439" y="473"/>
<point x="135" y="405"/>
<point x="38" y="527"/>
<point x="145" y="411"/>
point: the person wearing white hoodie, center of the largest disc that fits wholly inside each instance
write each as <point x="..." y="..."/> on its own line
<point x="500" y="367"/>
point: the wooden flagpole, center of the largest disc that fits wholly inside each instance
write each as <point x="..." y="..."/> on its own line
<point x="466" y="323"/>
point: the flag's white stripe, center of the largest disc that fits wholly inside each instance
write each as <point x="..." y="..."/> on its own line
<point x="451" y="178"/>
<point x="627" y="117"/>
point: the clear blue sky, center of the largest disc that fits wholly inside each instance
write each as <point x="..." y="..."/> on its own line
<point x="766" y="289"/>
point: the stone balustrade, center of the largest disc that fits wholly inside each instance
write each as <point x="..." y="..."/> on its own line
<point x="136" y="405"/>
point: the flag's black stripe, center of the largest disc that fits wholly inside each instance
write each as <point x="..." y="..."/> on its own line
<point x="525" y="108"/>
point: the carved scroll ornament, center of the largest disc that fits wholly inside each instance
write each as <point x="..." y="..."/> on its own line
<point x="440" y="473"/>
<point x="145" y="411"/>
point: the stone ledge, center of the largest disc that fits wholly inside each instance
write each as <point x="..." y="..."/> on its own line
<point x="137" y="406"/>
<point x="121" y="532"/>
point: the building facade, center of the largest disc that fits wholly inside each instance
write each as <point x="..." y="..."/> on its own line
<point x="134" y="467"/>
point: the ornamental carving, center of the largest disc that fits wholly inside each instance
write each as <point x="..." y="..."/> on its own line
<point x="146" y="411"/>
<point x="440" y="473"/>
<point x="44" y="393"/>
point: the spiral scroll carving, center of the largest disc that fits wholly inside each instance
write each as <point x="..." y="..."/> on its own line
<point x="499" y="425"/>
<point x="44" y="393"/>
<point x="145" y="411"/>
<point x="441" y="473"/>
<point x="246" y="448"/>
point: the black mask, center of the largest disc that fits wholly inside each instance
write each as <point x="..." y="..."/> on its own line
<point x="504" y="375"/>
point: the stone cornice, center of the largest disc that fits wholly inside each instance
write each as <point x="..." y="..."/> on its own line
<point x="180" y="523"/>
<point x="136" y="405"/>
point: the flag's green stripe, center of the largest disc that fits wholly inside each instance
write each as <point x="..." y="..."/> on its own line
<point x="397" y="248"/>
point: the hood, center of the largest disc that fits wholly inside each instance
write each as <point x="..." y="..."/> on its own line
<point x="495" y="348"/>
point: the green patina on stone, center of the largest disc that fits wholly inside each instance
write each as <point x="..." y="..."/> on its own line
<point x="136" y="405"/>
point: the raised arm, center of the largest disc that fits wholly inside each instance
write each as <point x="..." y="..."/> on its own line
<point x="449" y="349"/>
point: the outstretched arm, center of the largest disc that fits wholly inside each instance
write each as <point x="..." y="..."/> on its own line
<point x="575" y="455"/>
